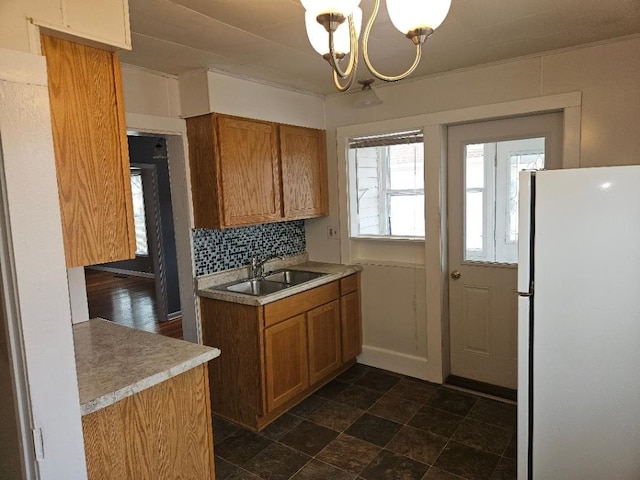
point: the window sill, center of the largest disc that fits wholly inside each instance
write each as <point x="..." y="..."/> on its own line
<point x="388" y="239"/>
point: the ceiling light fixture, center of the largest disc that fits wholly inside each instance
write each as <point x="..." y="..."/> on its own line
<point x="366" y="97"/>
<point x="417" y="19"/>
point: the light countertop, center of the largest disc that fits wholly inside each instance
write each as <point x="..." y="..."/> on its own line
<point x="114" y="362"/>
<point x="206" y="284"/>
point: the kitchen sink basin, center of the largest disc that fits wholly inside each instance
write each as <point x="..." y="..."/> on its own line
<point x="257" y="287"/>
<point x="272" y="283"/>
<point x="293" y="277"/>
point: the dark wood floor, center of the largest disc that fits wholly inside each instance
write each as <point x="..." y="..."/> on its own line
<point x="129" y="301"/>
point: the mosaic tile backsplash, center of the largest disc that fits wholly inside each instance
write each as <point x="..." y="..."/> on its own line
<point x="217" y="250"/>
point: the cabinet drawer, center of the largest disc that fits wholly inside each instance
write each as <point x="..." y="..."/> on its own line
<point x="349" y="284"/>
<point x="288" y="307"/>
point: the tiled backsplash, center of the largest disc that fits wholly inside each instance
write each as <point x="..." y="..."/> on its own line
<point x="217" y="250"/>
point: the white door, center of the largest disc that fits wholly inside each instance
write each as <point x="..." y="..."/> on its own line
<point x="484" y="161"/>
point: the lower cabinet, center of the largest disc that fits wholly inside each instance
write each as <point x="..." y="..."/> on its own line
<point x="163" y="432"/>
<point x="350" y="320"/>
<point x="285" y="348"/>
<point x="323" y="337"/>
<point x="275" y="355"/>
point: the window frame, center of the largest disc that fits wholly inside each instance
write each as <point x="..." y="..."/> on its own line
<point x="385" y="192"/>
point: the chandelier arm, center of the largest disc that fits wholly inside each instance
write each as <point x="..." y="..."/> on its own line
<point x="353" y="56"/>
<point x="395" y="78"/>
<point x="346" y="86"/>
<point x="365" y="51"/>
<point x="352" y="74"/>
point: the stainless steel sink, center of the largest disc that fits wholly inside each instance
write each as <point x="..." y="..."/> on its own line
<point x="272" y="283"/>
<point x="257" y="287"/>
<point x="293" y="277"/>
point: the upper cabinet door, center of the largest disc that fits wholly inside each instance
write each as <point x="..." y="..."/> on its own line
<point x="249" y="171"/>
<point x="304" y="172"/>
<point x="92" y="158"/>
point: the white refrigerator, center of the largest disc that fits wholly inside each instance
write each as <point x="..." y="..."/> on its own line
<point x="579" y="324"/>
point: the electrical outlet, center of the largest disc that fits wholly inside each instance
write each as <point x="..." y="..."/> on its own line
<point x="333" y="233"/>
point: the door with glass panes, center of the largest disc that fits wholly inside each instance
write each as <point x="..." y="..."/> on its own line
<point x="484" y="160"/>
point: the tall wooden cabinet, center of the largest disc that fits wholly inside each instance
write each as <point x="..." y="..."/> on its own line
<point x="246" y="171"/>
<point x="275" y="355"/>
<point x="92" y="158"/>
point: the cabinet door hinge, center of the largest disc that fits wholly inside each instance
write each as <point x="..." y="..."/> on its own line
<point x="38" y="444"/>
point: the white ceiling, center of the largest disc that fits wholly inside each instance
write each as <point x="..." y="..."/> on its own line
<point x="266" y="40"/>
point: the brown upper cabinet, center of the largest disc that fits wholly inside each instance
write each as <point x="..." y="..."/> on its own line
<point x="246" y="171"/>
<point x="304" y="172"/>
<point x="92" y="157"/>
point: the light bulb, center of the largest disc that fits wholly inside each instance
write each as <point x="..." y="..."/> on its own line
<point x="408" y="15"/>
<point x="343" y="7"/>
<point x="319" y="37"/>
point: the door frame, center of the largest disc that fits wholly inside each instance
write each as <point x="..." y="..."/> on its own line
<point x="571" y="107"/>
<point x="154" y="235"/>
<point x="10" y="322"/>
<point x="435" y="367"/>
<point x="174" y="130"/>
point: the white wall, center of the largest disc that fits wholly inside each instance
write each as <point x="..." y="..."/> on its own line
<point x="150" y="93"/>
<point x="33" y="267"/>
<point x="405" y="348"/>
<point x="204" y="92"/>
<point x="608" y="77"/>
<point x="105" y="22"/>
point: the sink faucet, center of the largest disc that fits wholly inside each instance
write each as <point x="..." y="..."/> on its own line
<point x="256" y="266"/>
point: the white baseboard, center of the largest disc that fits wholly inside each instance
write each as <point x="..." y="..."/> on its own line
<point x="397" y="362"/>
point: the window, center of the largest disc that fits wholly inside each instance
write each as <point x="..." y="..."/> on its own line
<point x="139" y="217"/>
<point x="386" y="185"/>
<point x="491" y="203"/>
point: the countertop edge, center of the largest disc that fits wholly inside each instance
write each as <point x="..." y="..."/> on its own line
<point x="115" y="361"/>
<point x="145" y="383"/>
<point x="333" y="272"/>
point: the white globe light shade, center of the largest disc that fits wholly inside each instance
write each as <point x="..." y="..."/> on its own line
<point x="407" y="15"/>
<point x="344" y="7"/>
<point x="319" y="37"/>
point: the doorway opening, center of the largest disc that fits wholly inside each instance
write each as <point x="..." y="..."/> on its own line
<point x="143" y="292"/>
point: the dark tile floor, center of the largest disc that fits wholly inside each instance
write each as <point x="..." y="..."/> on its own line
<point x="375" y="425"/>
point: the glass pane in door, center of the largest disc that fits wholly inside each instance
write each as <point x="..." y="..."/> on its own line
<point x="474" y="201"/>
<point x="491" y="201"/>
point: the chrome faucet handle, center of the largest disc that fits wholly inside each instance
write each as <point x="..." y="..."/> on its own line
<point x="256" y="267"/>
<point x="253" y="267"/>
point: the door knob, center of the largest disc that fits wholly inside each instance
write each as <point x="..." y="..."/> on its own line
<point x="455" y="274"/>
